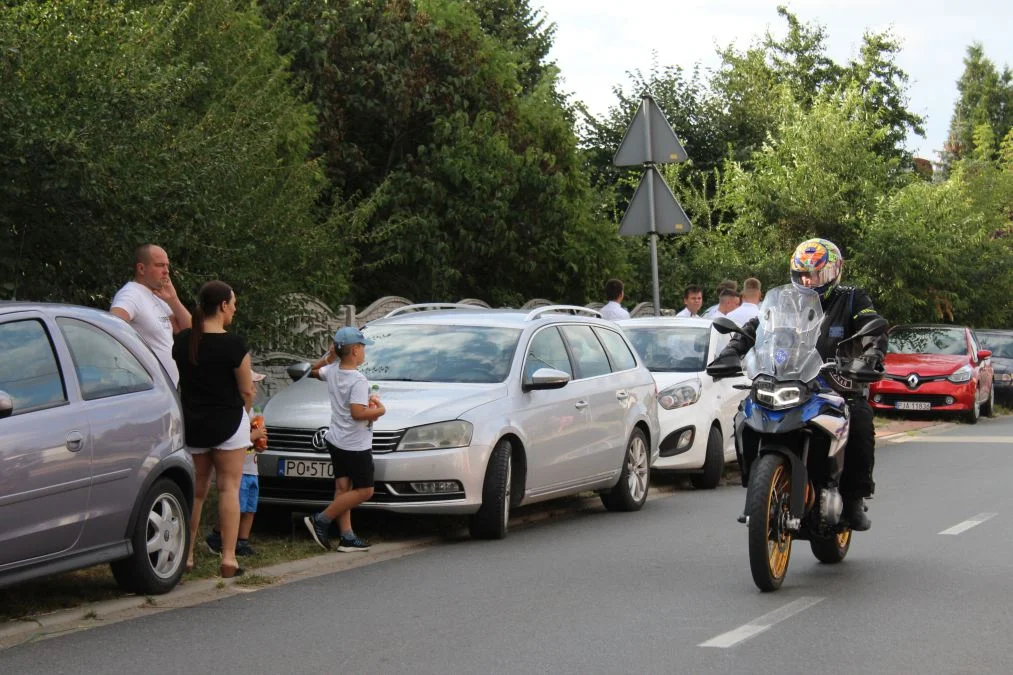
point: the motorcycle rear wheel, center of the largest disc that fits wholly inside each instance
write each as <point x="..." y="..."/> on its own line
<point x="767" y="501"/>
<point x="831" y="550"/>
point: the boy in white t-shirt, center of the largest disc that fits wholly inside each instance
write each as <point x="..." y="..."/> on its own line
<point x="349" y="437"/>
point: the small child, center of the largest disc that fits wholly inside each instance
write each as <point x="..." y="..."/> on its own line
<point x="349" y="437"/>
<point x="249" y="488"/>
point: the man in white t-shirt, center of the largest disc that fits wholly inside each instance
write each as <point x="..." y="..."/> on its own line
<point x="750" y="307"/>
<point x="149" y="303"/>
<point x="692" y="297"/>
<point x="612" y="310"/>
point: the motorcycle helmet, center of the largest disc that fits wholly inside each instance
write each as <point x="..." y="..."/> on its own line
<point x="821" y="262"/>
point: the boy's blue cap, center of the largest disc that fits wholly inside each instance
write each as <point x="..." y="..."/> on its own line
<point x="350" y="335"/>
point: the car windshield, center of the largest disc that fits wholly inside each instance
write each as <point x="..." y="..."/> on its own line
<point x="927" y="340"/>
<point x="681" y="349"/>
<point x="1000" y="344"/>
<point x="789" y="326"/>
<point x="427" y="353"/>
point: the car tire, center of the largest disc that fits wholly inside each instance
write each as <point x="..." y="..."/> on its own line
<point x="988" y="410"/>
<point x="163" y="526"/>
<point x="714" y="463"/>
<point x="974" y="414"/>
<point x="493" y="517"/>
<point x="630" y="492"/>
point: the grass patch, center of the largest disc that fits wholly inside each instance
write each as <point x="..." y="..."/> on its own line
<point x="254" y="580"/>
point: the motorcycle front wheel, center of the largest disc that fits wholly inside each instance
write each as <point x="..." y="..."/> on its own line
<point x="767" y="501"/>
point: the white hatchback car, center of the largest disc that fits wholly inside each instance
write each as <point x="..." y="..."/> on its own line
<point x="486" y="410"/>
<point x="696" y="411"/>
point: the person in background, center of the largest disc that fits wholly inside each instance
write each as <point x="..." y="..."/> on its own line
<point x="149" y="303"/>
<point x="728" y="302"/>
<point x="750" y="307"/>
<point x="613" y="310"/>
<point x="217" y="392"/>
<point x="711" y="311"/>
<point x="692" y="298"/>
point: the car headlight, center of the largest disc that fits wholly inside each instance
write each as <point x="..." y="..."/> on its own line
<point x="961" y="374"/>
<point x="680" y="395"/>
<point x="454" y="434"/>
<point x="776" y="395"/>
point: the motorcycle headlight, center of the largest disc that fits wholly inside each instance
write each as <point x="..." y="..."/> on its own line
<point x="680" y="395"/>
<point x="776" y="395"/>
<point x="453" y="434"/>
<point x="961" y="374"/>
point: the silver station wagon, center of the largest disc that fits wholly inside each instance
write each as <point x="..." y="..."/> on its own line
<point x="486" y="410"/>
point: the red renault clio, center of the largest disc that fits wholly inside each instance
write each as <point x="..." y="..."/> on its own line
<point x="935" y="368"/>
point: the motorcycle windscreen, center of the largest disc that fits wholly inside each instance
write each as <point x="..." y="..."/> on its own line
<point x="790" y="320"/>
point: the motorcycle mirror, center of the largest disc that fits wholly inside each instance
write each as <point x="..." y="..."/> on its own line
<point x="726" y="326"/>
<point x="874" y="326"/>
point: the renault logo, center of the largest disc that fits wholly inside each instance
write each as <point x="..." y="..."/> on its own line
<point x="318" y="439"/>
<point x="912" y="382"/>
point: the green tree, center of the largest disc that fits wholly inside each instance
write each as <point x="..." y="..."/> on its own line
<point x="985" y="97"/>
<point x="172" y="122"/>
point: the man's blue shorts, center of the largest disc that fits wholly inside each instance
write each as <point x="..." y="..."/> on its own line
<point x="249" y="494"/>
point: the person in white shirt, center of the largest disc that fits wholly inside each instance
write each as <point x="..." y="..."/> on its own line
<point x="750" y="307"/>
<point x="149" y="303"/>
<point x="692" y="297"/>
<point x="727" y="302"/>
<point x="612" y="310"/>
<point x="712" y="311"/>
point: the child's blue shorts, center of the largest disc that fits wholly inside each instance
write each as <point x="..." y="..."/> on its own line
<point x="249" y="493"/>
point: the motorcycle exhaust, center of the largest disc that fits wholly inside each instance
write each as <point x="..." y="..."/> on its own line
<point x="831" y="505"/>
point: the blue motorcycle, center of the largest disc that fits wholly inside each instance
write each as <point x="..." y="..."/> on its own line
<point x="790" y="434"/>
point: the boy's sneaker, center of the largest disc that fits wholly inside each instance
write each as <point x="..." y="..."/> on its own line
<point x="214" y="542"/>
<point x="244" y="548"/>
<point x="318" y="531"/>
<point x="352" y="543"/>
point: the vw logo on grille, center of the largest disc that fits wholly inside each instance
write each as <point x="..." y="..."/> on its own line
<point x="912" y="381"/>
<point x="318" y="439"/>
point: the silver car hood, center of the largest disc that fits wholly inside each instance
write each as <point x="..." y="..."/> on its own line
<point x="305" y="405"/>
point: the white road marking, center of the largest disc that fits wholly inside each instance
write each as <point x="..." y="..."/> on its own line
<point x="968" y="524"/>
<point x="757" y="626"/>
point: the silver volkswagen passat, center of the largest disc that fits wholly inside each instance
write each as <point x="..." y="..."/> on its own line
<point x="486" y="410"/>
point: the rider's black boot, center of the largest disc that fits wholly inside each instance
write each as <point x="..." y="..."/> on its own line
<point x="854" y="513"/>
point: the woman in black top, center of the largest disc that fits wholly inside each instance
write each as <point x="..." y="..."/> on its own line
<point x="217" y="391"/>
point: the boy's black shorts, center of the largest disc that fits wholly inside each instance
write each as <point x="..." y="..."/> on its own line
<point x="356" y="465"/>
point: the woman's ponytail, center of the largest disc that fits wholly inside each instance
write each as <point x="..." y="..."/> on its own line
<point x="209" y="301"/>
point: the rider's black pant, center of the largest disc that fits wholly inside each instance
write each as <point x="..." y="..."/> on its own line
<point x="859" y="456"/>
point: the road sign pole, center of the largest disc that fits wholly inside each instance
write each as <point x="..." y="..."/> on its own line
<point x="652" y="224"/>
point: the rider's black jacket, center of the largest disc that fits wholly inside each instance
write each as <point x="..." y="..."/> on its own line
<point x="846" y="309"/>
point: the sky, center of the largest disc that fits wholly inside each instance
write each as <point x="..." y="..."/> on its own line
<point x="598" y="41"/>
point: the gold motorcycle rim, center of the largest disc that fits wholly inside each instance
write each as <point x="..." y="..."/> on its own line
<point x="843" y="538"/>
<point x="778" y="540"/>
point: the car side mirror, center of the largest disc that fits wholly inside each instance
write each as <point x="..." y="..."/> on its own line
<point x="984" y="354"/>
<point x="546" y="378"/>
<point x="6" y="405"/>
<point x="297" y="371"/>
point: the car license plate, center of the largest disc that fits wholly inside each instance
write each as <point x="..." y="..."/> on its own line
<point x="305" y="468"/>
<point x="913" y="405"/>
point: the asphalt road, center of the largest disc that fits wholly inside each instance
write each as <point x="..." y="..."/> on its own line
<point x="668" y="589"/>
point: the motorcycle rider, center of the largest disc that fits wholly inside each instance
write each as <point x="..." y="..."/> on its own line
<point x="817" y="264"/>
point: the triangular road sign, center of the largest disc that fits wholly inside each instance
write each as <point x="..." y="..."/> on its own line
<point x="669" y="218"/>
<point x="664" y="147"/>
